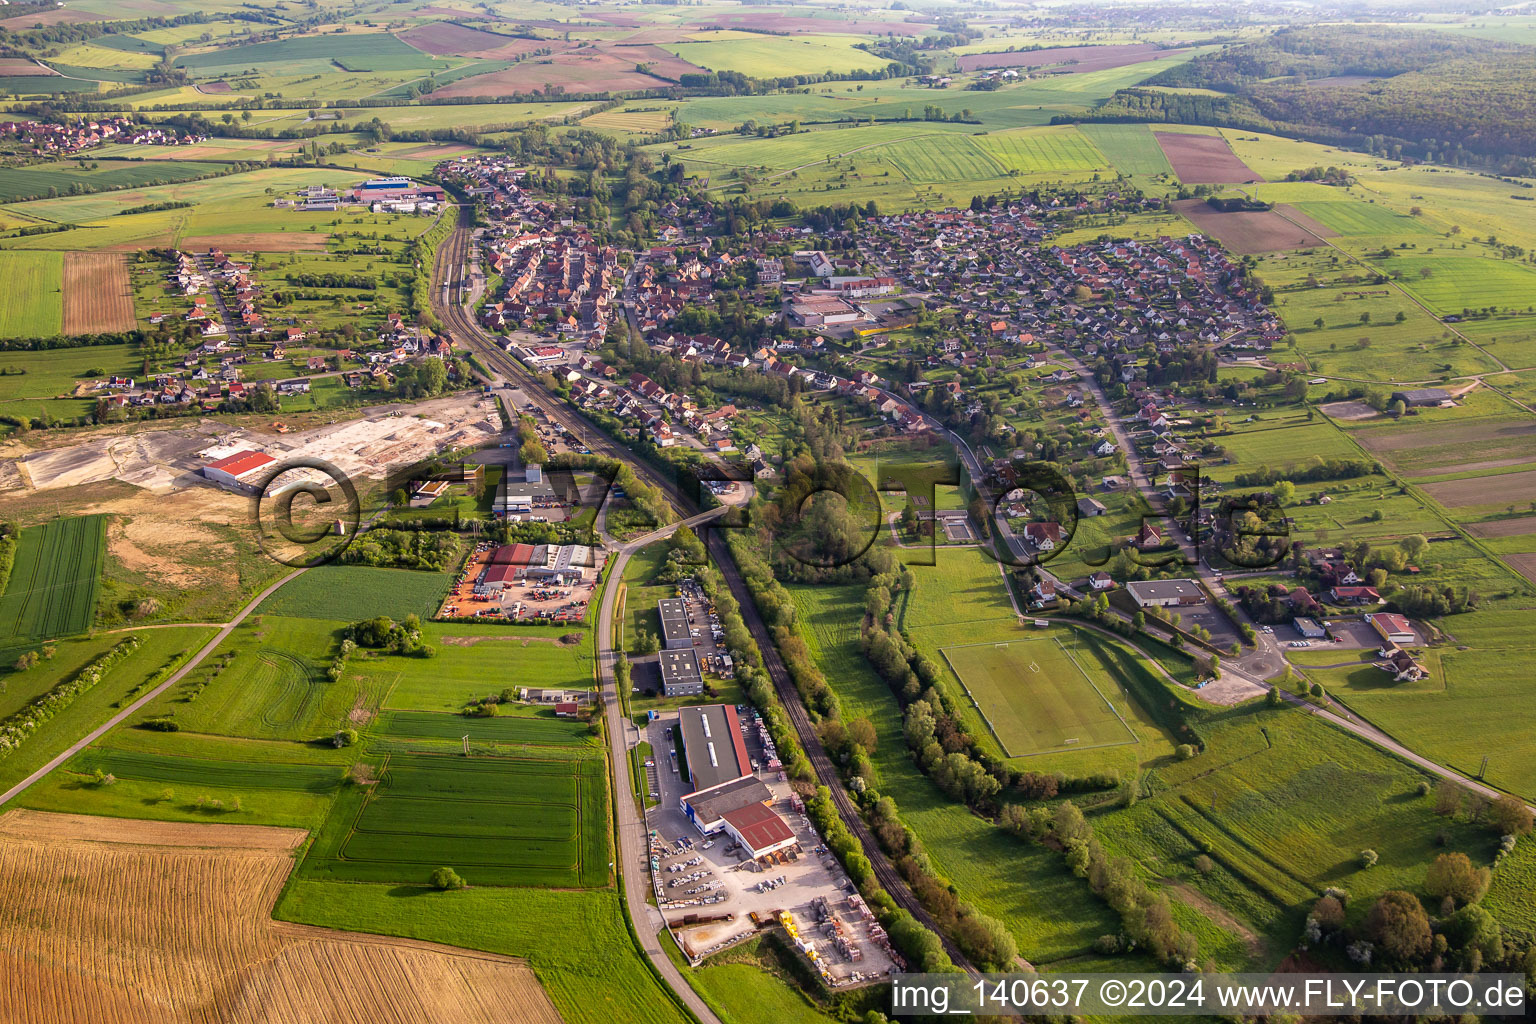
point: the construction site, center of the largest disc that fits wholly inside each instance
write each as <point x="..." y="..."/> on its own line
<point x="370" y="447"/>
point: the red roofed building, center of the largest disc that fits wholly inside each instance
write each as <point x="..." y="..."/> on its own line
<point x="1393" y="628"/>
<point x="241" y="471"/>
<point x="513" y="554"/>
<point x="759" y="830"/>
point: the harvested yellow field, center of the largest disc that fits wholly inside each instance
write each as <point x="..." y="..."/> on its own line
<point x="137" y="922"/>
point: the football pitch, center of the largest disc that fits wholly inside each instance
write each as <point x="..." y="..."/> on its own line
<point x="1036" y="698"/>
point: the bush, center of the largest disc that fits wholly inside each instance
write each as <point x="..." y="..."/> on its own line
<point x="1453" y="875"/>
<point x="1186" y="751"/>
<point x="1204" y="864"/>
<point x="444" y="879"/>
<point x="344" y="738"/>
<point x="1398" y="925"/>
<point x="1368" y="858"/>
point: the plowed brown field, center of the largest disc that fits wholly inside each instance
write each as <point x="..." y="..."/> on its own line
<point x="137" y="922"/>
<point x="259" y="241"/>
<point x="97" y="296"/>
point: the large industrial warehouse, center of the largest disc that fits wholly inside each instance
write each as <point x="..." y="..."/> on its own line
<point x="727" y="796"/>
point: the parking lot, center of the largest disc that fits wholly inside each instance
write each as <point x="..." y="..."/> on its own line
<point x="714" y="895"/>
<point x="705" y="629"/>
<point x="1209" y="617"/>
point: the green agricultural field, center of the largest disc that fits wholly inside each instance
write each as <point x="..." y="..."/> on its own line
<point x="55" y="579"/>
<point x="769" y="57"/>
<point x="353" y="51"/>
<point x="1454" y="283"/>
<point x="35" y="308"/>
<point x="1036" y="697"/>
<point x="498" y="820"/>
<point x="942" y="158"/>
<point x="1062" y="151"/>
<point x="160" y="652"/>
<point x="577" y="942"/>
<point x="353" y="592"/>
<point x="1348" y="218"/>
<point x="1283" y="805"/>
<point x="1130" y="148"/>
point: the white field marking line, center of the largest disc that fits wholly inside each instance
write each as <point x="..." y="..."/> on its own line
<point x="1107" y="703"/>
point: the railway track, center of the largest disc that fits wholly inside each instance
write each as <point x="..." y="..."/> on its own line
<point x="448" y="291"/>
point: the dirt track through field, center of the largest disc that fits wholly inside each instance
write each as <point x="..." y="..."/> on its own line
<point x="97" y="296"/>
<point x="134" y="922"/>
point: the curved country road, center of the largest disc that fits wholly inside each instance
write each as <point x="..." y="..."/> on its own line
<point x="633" y="848"/>
<point x="176" y="677"/>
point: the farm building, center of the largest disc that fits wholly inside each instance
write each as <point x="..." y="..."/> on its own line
<point x="1421" y="398"/>
<point x="680" y="674"/>
<point x="675" y="634"/>
<point x="1394" y="629"/>
<point x="535" y="695"/>
<point x="1165" y="593"/>
<point x="243" y="471"/>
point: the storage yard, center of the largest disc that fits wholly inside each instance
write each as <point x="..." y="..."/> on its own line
<point x="524" y="582"/>
<point x="709" y="886"/>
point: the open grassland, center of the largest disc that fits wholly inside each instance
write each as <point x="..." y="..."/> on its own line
<point x="1356" y="218"/>
<point x="963" y="587"/>
<point x="138" y="911"/>
<point x="353" y="592"/>
<point x="1035" y="697"/>
<point x="768" y="56"/>
<point x="748" y="984"/>
<point x="1130" y="148"/>
<point x="1360" y="336"/>
<point x="1455" y="283"/>
<point x="1051" y="914"/>
<point x="475" y="661"/>
<point x="1476" y="706"/>
<point x="268" y="681"/>
<point x="1478" y="204"/>
<point x="577" y="943"/>
<point x="1509" y="897"/>
<point x="55" y="579"/>
<point x="33" y="307"/>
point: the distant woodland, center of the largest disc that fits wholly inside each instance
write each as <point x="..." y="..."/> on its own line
<point x="1420" y="94"/>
